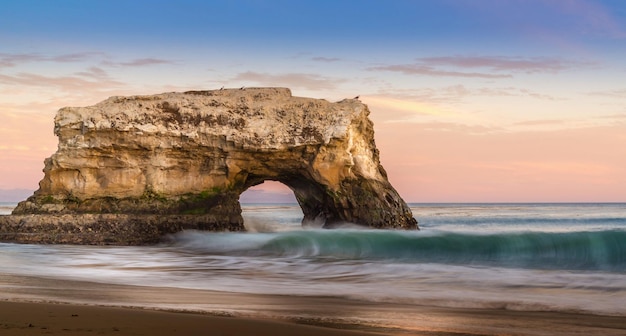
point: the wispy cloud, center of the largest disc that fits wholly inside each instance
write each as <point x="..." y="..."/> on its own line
<point x="92" y="78"/>
<point x="454" y="94"/>
<point x="326" y="59"/>
<point x="76" y="57"/>
<point x="614" y="119"/>
<point x="95" y="73"/>
<point x="12" y="60"/>
<point x="614" y="116"/>
<point x="502" y="63"/>
<point x="562" y="167"/>
<point x="457" y="127"/>
<point x="403" y="104"/>
<point x="444" y="95"/>
<point x="543" y="125"/>
<point x="610" y="93"/>
<point x="301" y="80"/>
<point x="420" y="69"/>
<point x="489" y="67"/>
<point x="512" y="92"/>
<point x="544" y="122"/>
<point x="140" y="62"/>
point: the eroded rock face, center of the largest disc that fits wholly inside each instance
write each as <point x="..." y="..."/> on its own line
<point x="194" y="153"/>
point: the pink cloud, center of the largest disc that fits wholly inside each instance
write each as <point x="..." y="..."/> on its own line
<point x="326" y="59"/>
<point x="457" y="128"/>
<point x="610" y="93"/>
<point x="140" y="62"/>
<point x="420" y="69"/>
<point x="456" y="93"/>
<point x="76" y="57"/>
<point x="92" y="79"/>
<point x="10" y="60"/>
<point x="501" y="63"/>
<point x="512" y="91"/>
<point x="492" y="67"/>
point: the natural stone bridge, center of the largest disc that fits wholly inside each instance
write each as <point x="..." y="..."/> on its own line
<point x="130" y="169"/>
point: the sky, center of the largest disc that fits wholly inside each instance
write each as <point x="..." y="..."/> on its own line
<point x="472" y="101"/>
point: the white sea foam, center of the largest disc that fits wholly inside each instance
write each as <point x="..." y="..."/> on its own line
<point x="6" y="208"/>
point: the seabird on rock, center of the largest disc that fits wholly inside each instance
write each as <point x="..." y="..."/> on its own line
<point x="243" y="87"/>
<point x="222" y="88"/>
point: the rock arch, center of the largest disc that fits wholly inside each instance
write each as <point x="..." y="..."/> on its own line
<point x="194" y="153"/>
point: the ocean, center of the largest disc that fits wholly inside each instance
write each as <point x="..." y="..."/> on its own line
<point x="529" y="257"/>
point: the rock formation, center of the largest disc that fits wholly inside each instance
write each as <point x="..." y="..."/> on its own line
<point x="194" y="153"/>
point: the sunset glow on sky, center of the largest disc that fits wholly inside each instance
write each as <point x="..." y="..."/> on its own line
<point x="472" y="101"/>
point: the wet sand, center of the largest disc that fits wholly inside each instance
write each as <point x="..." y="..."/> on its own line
<point x="39" y="306"/>
<point x="62" y="319"/>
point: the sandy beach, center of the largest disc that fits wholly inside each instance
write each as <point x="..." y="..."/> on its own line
<point x="39" y="306"/>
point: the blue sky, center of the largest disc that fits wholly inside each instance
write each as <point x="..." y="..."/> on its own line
<point x="519" y="100"/>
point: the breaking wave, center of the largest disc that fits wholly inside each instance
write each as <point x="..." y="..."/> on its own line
<point x="601" y="250"/>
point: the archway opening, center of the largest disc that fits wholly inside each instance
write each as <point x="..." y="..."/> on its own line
<point x="270" y="207"/>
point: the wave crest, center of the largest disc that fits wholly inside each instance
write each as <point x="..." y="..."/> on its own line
<point x="602" y="250"/>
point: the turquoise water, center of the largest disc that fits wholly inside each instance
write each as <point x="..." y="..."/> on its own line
<point x="558" y="257"/>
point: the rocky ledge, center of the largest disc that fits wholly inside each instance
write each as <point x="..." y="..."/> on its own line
<point x="143" y="166"/>
<point x="102" y="229"/>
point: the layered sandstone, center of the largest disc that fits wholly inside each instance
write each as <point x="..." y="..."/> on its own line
<point x="194" y="153"/>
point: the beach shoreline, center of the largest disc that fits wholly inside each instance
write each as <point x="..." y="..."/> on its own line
<point x="34" y="306"/>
